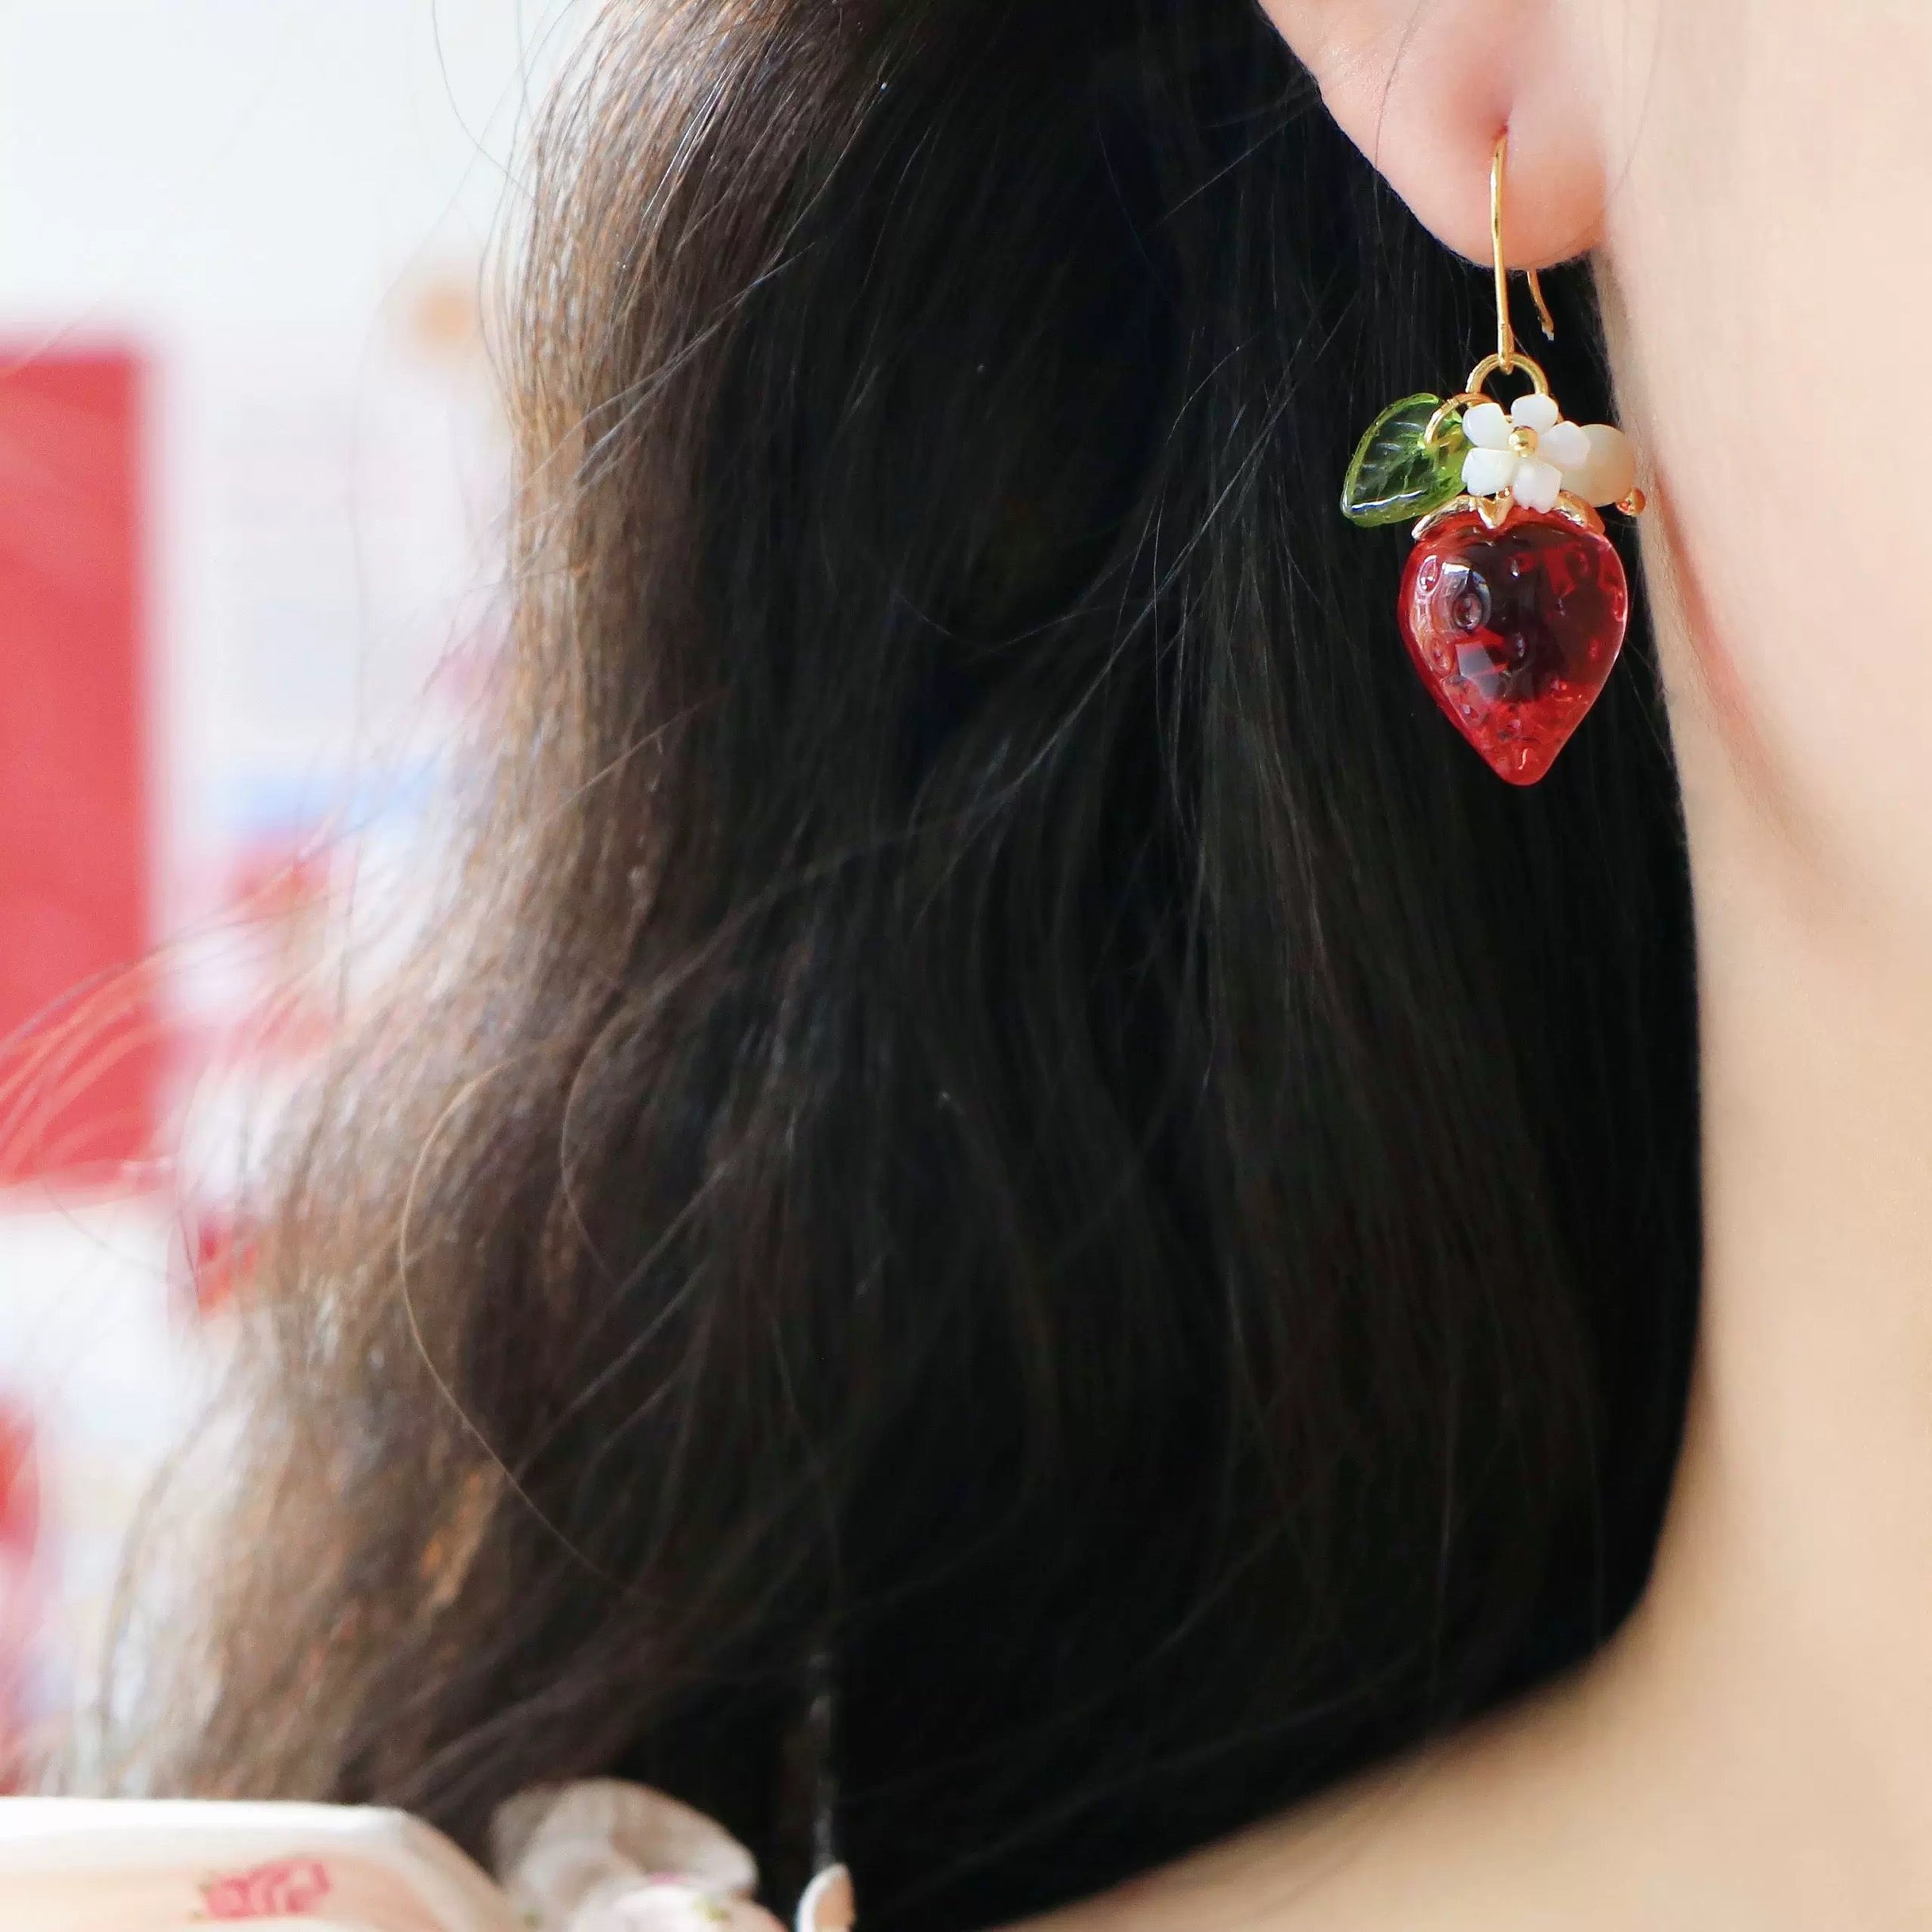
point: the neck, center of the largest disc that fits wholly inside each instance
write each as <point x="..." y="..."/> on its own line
<point x="1784" y="1657"/>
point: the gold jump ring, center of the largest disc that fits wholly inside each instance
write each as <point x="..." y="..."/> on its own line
<point x="1511" y="364"/>
<point x="1432" y="435"/>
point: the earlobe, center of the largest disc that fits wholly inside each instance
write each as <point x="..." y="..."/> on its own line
<point x="1423" y="87"/>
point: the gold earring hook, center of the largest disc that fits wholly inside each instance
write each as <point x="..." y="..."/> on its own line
<point x="1507" y="358"/>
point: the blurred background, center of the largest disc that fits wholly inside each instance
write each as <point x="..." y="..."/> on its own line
<point x="252" y="487"/>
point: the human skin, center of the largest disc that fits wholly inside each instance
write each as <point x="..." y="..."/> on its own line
<point x="1753" y="1752"/>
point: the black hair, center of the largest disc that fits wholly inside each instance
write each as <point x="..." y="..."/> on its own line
<point x="1006" y="1120"/>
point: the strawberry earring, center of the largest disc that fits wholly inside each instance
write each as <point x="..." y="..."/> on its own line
<point x="1514" y="604"/>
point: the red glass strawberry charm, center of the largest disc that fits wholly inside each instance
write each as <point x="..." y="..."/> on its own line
<point x="1514" y="631"/>
<point x="1514" y="604"/>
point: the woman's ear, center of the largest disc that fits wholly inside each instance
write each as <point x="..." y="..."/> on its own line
<point x="1424" y="87"/>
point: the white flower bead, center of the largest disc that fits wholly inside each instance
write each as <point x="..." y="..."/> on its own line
<point x="1536" y="411"/>
<point x="1487" y="426"/>
<point x="1488" y="472"/>
<point x="1562" y="453"/>
<point x="1538" y="484"/>
<point x="1564" y="444"/>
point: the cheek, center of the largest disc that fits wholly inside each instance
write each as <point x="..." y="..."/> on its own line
<point x="1776" y="315"/>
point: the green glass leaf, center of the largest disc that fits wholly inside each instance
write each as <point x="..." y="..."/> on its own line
<point x="1395" y="477"/>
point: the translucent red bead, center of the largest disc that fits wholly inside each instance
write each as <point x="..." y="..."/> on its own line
<point x="1514" y="631"/>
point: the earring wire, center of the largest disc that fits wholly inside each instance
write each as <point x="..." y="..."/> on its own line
<point x="1507" y="358"/>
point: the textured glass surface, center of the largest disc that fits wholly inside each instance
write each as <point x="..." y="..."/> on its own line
<point x="1393" y="477"/>
<point x="1514" y="631"/>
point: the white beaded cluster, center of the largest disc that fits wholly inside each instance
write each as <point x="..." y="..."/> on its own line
<point x="1531" y="454"/>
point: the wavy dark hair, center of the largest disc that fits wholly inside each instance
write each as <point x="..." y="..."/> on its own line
<point x="1006" y="1131"/>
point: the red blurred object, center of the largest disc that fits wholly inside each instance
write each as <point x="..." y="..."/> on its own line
<point x="1515" y="631"/>
<point x="289" y="1888"/>
<point x="221" y="1260"/>
<point x="283" y="893"/>
<point x="79" y="1057"/>
<point x="20" y="1582"/>
<point x="20" y="1488"/>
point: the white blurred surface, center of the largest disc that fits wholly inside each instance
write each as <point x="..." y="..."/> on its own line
<point x="282" y="204"/>
<point x="230" y="166"/>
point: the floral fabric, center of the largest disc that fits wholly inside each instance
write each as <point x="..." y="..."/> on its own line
<point x="601" y="1856"/>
